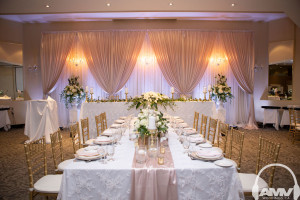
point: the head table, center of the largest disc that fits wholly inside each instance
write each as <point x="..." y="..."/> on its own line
<point x="195" y="179"/>
<point x="114" y="110"/>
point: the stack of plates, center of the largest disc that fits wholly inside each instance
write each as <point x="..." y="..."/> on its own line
<point x="123" y="118"/>
<point x="184" y="125"/>
<point x="190" y="131"/>
<point x="180" y="120"/>
<point x="109" y="132"/>
<point x="196" y="139"/>
<point x="103" y="140"/>
<point x="205" y="145"/>
<point x="211" y="154"/>
<point x="88" y="153"/>
<point x="119" y="121"/>
<point x="116" y="126"/>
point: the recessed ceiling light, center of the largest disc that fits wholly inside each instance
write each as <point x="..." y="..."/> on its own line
<point x="233" y="4"/>
<point x="171" y="4"/>
<point x="47" y="6"/>
<point x="108" y="4"/>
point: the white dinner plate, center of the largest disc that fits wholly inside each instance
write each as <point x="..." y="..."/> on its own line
<point x="223" y="163"/>
<point x="205" y="145"/>
<point x="115" y="126"/>
<point x="119" y="121"/>
<point x="88" y="157"/>
<point x="109" y="132"/>
<point x="123" y="118"/>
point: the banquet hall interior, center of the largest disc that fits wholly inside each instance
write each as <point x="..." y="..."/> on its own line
<point x="151" y="100"/>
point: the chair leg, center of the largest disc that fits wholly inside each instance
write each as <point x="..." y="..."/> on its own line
<point x="31" y="195"/>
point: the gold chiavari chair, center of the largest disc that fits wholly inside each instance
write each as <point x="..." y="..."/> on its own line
<point x="85" y="132"/>
<point x="203" y="125"/>
<point x="75" y="135"/>
<point x="212" y="130"/>
<point x="98" y="120"/>
<point x="196" y="121"/>
<point x="222" y="137"/>
<point x="104" y="121"/>
<point x="236" y="143"/>
<point x="57" y="152"/>
<point x="47" y="185"/>
<point x="267" y="153"/>
<point x="292" y="121"/>
<point x="296" y="134"/>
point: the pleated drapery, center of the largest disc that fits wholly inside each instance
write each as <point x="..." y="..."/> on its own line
<point x="55" y="49"/>
<point x="183" y="56"/>
<point x="239" y="49"/>
<point x="111" y="56"/>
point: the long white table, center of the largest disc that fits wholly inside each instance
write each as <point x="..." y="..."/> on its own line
<point x="195" y="179"/>
<point x="114" y="110"/>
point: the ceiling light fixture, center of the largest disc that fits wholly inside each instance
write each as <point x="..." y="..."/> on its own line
<point x="47" y="6"/>
<point x="171" y="4"/>
<point x="233" y="4"/>
<point x="108" y="4"/>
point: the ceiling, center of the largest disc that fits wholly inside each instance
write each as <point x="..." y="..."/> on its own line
<point x="108" y="16"/>
<point x="44" y="11"/>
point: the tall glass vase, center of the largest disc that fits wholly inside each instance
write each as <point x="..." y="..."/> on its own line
<point x="73" y="112"/>
<point x="221" y="110"/>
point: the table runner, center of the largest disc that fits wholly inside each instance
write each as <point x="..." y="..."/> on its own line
<point x="153" y="181"/>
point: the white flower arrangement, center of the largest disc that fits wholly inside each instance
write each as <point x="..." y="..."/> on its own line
<point x="72" y="92"/>
<point x="221" y="91"/>
<point x="141" y="124"/>
<point x="152" y="99"/>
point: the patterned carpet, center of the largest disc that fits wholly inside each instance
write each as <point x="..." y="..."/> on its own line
<point x="14" y="181"/>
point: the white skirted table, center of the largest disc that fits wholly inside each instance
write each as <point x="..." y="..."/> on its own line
<point x="195" y="179"/>
<point x="114" y="110"/>
<point x="41" y="119"/>
<point x="4" y="118"/>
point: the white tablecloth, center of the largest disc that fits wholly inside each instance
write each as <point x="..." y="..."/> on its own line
<point x="285" y="119"/>
<point x="4" y="120"/>
<point x="19" y="110"/>
<point x="195" y="179"/>
<point x="114" y="110"/>
<point x="41" y="119"/>
<point x="271" y="116"/>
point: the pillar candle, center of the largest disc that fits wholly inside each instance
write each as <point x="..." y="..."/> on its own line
<point x="204" y="89"/>
<point x="87" y="89"/>
<point x="151" y="124"/>
<point x="91" y="90"/>
<point x="126" y="90"/>
<point x="172" y="90"/>
<point x="209" y="88"/>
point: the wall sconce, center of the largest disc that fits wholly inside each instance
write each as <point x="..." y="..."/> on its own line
<point x="33" y="68"/>
<point x="257" y="67"/>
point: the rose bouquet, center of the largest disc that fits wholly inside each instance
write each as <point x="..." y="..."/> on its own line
<point x="221" y="91"/>
<point x="73" y="92"/>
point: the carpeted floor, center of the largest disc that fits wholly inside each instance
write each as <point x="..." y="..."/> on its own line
<point x="14" y="181"/>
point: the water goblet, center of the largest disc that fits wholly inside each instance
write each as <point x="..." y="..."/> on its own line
<point x="186" y="144"/>
<point x="111" y="152"/>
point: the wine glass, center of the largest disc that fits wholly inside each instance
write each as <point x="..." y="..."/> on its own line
<point x="110" y="152"/>
<point x="102" y="153"/>
<point x="186" y="144"/>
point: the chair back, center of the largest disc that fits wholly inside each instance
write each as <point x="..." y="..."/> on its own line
<point x="236" y="143"/>
<point x="296" y="132"/>
<point x="35" y="153"/>
<point x="203" y="125"/>
<point x="196" y="121"/>
<point x="104" y="121"/>
<point x="75" y="135"/>
<point x="212" y="130"/>
<point x="292" y="121"/>
<point x="267" y="153"/>
<point x="98" y="120"/>
<point x="85" y="129"/>
<point x="57" y="148"/>
<point x="222" y="136"/>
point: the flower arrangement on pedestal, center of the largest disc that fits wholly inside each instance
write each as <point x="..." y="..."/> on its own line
<point x="150" y="119"/>
<point x="73" y="92"/>
<point x="151" y="99"/>
<point x="221" y="91"/>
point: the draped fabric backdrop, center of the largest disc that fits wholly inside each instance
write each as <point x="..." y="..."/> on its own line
<point x="111" y="56"/>
<point x="183" y="56"/>
<point x="183" y="66"/>
<point x="54" y="51"/>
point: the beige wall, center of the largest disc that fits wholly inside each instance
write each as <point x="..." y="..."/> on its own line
<point x="11" y="31"/>
<point x="7" y="80"/>
<point x="32" y="36"/>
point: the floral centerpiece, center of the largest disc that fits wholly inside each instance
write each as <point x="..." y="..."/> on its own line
<point x="73" y="92"/>
<point x="221" y="91"/>
<point x="141" y="124"/>
<point x="151" y="99"/>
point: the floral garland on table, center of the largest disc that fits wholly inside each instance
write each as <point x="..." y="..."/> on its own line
<point x="221" y="91"/>
<point x="141" y="124"/>
<point x="73" y="92"/>
<point x="151" y="99"/>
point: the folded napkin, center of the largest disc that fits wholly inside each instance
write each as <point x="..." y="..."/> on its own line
<point x="90" y="153"/>
<point x="119" y="121"/>
<point x="109" y="132"/>
<point x="115" y="126"/>
<point x="103" y="139"/>
<point x="123" y="117"/>
<point x="209" y="153"/>
<point x="197" y="139"/>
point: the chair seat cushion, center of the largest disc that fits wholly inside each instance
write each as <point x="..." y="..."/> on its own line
<point x="48" y="184"/>
<point x="248" y="181"/>
<point x="63" y="164"/>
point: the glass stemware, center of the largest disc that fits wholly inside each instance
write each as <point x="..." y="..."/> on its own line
<point x="102" y="153"/>
<point x="186" y="144"/>
<point x="111" y="152"/>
